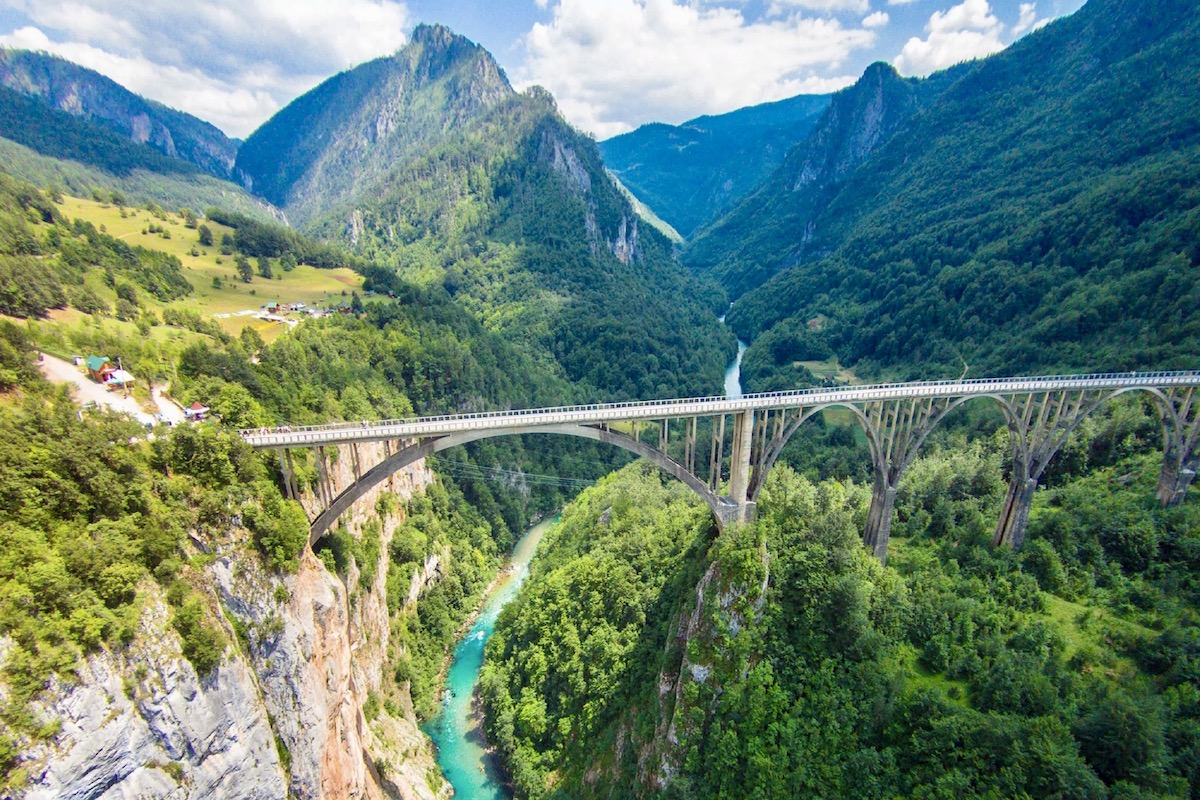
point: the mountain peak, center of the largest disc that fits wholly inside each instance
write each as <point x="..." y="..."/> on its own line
<point x="879" y="71"/>
<point x="435" y="51"/>
<point x="435" y="35"/>
<point x="344" y="135"/>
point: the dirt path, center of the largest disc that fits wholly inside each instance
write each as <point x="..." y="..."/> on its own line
<point x="87" y="390"/>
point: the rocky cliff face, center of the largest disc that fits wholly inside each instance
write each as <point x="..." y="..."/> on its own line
<point x="282" y="716"/>
<point x="142" y="724"/>
<point x="81" y="92"/>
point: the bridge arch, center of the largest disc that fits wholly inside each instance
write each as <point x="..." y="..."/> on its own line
<point x="723" y="510"/>
<point x="874" y="437"/>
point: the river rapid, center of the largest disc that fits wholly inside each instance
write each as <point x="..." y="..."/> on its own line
<point x="458" y="730"/>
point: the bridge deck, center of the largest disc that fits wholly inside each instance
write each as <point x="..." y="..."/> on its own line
<point x="595" y="413"/>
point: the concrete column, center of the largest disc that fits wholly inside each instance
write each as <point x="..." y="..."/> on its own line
<point x="1174" y="480"/>
<point x="739" y="457"/>
<point x="1014" y="518"/>
<point x="1014" y="515"/>
<point x="287" y="474"/>
<point x="294" y="488"/>
<point x="879" y="516"/>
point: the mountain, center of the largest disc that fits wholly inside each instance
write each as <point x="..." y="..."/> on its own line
<point x="335" y="142"/>
<point x="80" y="92"/>
<point x="690" y="174"/>
<point x="427" y="161"/>
<point x="1038" y="211"/>
<point x="855" y="124"/>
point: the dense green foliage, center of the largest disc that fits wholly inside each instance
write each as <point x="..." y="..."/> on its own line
<point x="469" y="548"/>
<point x="563" y="659"/>
<point x="44" y="259"/>
<point x="1039" y="214"/>
<point x="60" y="135"/>
<point x="1068" y="670"/>
<point x="690" y="174"/>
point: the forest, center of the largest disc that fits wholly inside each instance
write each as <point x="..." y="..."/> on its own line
<point x="1038" y="214"/>
<point x="800" y="667"/>
<point x="498" y="226"/>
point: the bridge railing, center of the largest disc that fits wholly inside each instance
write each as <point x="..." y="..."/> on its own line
<point x="717" y="405"/>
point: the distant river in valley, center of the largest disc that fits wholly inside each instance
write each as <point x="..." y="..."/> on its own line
<point x="457" y="730"/>
<point x="733" y="373"/>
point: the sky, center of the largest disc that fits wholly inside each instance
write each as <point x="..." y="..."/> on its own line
<point x="612" y="65"/>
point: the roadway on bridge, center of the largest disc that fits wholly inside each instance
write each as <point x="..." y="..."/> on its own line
<point x="600" y="413"/>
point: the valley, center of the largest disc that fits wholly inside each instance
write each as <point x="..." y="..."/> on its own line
<point x="694" y="462"/>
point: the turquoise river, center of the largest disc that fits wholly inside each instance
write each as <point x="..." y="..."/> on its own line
<point x="457" y="731"/>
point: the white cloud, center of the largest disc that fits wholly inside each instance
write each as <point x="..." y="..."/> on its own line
<point x="857" y="6"/>
<point x="1029" y="20"/>
<point x="232" y="62"/>
<point x="966" y="31"/>
<point x="876" y="20"/>
<point x="616" y="64"/>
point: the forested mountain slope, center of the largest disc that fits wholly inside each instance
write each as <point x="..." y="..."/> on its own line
<point x="59" y="84"/>
<point x="65" y="126"/>
<point x="648" y="656"/>
<point x="429" y="162"/>
<point x="690" y="174"/>
<point x="1040" y="213"/>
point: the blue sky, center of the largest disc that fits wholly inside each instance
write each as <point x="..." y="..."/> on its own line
<point x="611" y="64"/>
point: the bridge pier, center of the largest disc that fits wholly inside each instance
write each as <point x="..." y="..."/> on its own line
<point x="1039" y="425"/>
<point x="895" y="429"/>
<point x="739" y="457"/>
<point x="1174" y="481"/>
<point x="1181" y="430"/>
<point x="879" y="518"/>
<point x="287" y="470"/>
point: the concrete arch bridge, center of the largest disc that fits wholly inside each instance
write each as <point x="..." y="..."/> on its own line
<point x="724" y="448"/>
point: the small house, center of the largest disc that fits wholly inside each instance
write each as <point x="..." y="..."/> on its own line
<point x="99" y="368"/>
<point x="196" y="412"/>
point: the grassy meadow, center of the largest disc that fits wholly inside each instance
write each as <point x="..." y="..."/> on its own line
<point x="201" y="265"/>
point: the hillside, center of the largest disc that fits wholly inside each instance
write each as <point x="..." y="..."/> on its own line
<point x="58" y="84"/>
<point x="649" y="656"/>
<point x="690" y="174"/>
<point x="428" y="162"/>
<point x="1038" y="214"/>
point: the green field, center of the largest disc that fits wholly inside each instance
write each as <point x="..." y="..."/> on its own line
<point x="830" y="368"/>
<point x="304" y="284"/>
